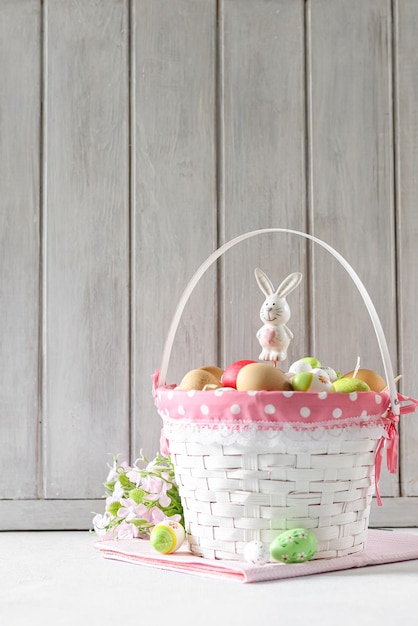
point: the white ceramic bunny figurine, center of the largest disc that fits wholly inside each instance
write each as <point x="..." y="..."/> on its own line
<point x="274" y="336"/>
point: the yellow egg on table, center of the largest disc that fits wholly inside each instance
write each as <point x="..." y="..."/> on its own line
<point x="262" y="377"/>
<point x="167" y="536"/>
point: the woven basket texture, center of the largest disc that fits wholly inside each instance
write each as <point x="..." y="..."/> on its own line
<point x="232" y="495"/>
<point x="234" y="492"/>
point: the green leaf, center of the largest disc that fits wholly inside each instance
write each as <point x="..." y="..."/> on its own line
<point x="109" y="486"/>
<point x="137" y="495"/>
<point x="140" y="523"/>
<point x="113" y="508"/>
<point x="125" y="482"/>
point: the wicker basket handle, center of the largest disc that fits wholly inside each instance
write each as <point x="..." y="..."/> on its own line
<point x="363" y="292"/>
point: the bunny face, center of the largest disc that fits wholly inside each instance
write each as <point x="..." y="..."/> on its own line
<point x="274" y="310"/>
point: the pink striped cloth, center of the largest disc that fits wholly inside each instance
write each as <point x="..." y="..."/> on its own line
<point x="382" y="547"/>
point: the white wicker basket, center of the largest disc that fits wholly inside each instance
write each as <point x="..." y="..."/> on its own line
<point x="260" y="472"/>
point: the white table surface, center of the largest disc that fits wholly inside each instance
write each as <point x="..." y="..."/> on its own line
<point x="60" y="578"/>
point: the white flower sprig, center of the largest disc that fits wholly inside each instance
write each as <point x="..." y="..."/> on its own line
<point x="137" y="498"/>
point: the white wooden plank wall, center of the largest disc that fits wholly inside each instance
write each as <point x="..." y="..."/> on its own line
<point x="174" y="219"/>
<point x="86" y="243"/>
<point x="351" y="144"/>
<point x="135" y="137"/>
<point x="262" y="118"/>
<point x="19" y="247"/>
<point x="406" y="126"/>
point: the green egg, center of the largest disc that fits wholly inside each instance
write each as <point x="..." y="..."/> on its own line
<point x="348" y="385"/>
<point x="302" y="381"/>
<point x="167" y="536"/>
<point x="312" y="361"/>
<point x="163" y="540"/>
<point x="294" y="546"/>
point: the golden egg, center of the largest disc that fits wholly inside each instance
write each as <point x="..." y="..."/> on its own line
<point x="212" y="369"/>
<point x="375" y="382"/>
<point x="262" y="377"/>
<point x="198" y="379"/>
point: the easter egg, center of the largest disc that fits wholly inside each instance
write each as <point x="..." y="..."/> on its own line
<point x="294" y="546"/>
<point x="213" y="369"/>
<point x="256" y="552"/>
<point x="320" y="371"/>
<point x="374" y="380"/>
<point x="167" y="536"/>
<point x="229" y="376"/>
<point x="312" y="361"/>
<point x="198" y="379"/>
<point x="312" y="381"/>
<point x="262" y="377"/>
<point x="299" y="366"/>
<point x="348" y="385"/>
<point x="331" y="373"/>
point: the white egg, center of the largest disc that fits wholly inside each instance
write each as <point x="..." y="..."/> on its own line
<point x="257" y="553"/>
<point x="320" y="382"/>
<point x="299" y="366"/>
<point x="332" y="375"/>
<point x="321" y="371"/>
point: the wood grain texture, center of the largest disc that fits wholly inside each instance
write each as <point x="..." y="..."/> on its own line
<point x="174" y="212"/>
<point x="262" y="117"/>
<point x="86" y="278"/>
<point x="394" y="512"/>
<point x="351" y="179"/>
<point x="48" y="514"/>
<point x="19" y="246"/>
<point x="136" y="136"/>
<point x="406" y="58"/>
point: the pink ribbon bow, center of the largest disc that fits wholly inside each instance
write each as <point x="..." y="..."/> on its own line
<point x="391" y="442"/>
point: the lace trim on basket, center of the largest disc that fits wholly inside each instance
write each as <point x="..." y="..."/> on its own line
<point x="254" y="436"/>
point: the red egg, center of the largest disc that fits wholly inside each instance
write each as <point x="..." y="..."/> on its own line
<point x="229" y="377"/>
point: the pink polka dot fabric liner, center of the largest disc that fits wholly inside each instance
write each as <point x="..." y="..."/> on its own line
<point x="270" y="409"/>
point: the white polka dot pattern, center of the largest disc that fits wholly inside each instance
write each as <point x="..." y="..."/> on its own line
<point x="269" y="409"/>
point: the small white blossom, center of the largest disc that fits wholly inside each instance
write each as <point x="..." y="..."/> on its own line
<point x="100" y="523"/>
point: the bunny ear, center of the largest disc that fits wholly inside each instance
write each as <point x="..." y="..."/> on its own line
<point x="289" y="284"/>
<point x="264" y="282"/>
